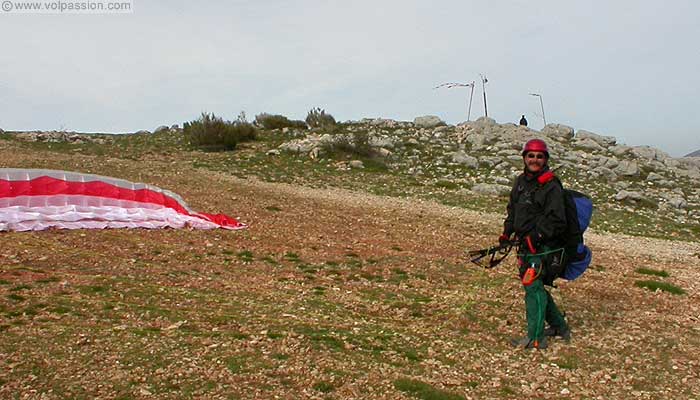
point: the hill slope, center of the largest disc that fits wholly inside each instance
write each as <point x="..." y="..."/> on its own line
<point x="331" y="293"/>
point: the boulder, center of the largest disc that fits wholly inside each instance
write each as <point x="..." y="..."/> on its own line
<point x="605" y="172"/>
<point x="356" y="164"/>
<point x="627" y="168"/>
<point x="678" y="202"/>
<point x="589" y="144"/>
<point x="654" y="177"/>
<point x="558" y="131"/>
<point x="161" y="129"/>
<point x="485" y="121"/>
<point x="624" y="195"/>
<point x="605" y="141"/>
<point x="649" y="153"/>
<point x="620" y="150"/>
<point x="428" y="121"/>
<point x="382" y="141"/>
<point x="491" y="189"/>
<point x="462" y="158"/>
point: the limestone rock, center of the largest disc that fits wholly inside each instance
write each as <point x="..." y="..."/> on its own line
<point x="491" y="189"/>
<point x="460" y="157"/>
<point x="558" y="131"/>
<point x="428" y="121"/>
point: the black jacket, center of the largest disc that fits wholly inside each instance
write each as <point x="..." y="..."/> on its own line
<point x="536" y="208"/>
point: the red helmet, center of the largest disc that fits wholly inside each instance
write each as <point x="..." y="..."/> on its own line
<point x="536" y="145"/>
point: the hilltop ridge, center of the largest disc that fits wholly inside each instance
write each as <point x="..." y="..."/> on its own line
<point x="636" y="189"/>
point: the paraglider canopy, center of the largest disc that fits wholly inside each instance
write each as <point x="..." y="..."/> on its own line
<point x="37" y="199"/>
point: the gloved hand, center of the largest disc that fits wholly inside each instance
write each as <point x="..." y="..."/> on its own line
<point x="503" y="239"/>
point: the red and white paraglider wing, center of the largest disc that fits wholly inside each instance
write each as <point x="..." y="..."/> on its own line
<point x="36" y="199"/>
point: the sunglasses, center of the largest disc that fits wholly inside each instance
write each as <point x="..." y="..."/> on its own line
<point x="533" y="155"/>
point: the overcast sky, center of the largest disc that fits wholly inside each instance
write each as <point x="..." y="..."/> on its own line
<point x="629" y="69"/>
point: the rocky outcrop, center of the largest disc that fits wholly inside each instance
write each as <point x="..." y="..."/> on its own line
<point x="60" y="136"/>
<point x="488" y="154"/>
<point x="428" y="121"/>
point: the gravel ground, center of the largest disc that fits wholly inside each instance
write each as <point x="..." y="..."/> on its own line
<point x="329" y="294"/>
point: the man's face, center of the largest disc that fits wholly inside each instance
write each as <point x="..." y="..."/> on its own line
<point x="535" y="161"/>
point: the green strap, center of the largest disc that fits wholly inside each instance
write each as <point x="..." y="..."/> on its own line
<point x="544" y="253"/>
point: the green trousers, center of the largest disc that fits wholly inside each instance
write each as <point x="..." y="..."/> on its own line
<point x="539" y="304"/>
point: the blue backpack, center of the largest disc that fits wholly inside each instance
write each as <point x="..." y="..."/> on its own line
<point x="579" y="209"/>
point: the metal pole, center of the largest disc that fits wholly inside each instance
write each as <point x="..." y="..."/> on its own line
<point x="469" y="110"/>
<point x="544" y="119"/>
<point x="483" y="88"/>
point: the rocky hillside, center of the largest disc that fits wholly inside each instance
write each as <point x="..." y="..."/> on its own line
<point x="696" y="153"/>
<point x="636" y="189"/>
<point x="484" y="156"/>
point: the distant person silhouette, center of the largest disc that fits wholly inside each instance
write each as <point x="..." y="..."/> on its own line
<point x="523" y="121"/>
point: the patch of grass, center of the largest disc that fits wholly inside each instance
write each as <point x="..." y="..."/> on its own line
<point x="50" y="279"/>
<point x="16" y="297"/>
<point x="92" y="289"/>
<point x="663" y="286"/>
<point x="447" y="185"/>
<point x="566" y="363"/>
<point x="290" y="256"/>
<point x="654" y="272"/>
<point x="507" y="390"/>
<point x="273" y="208"/>
<point x="324" y="387"/>
<point x="411" y="355"/>
<point x="307" y="268"/>
<point x="424" y="391"/>
<point x="4" y="282"/>
<point x="235" y="365"/>
<point x="20" y="287"/>
<point x="147" y="331"/>
<point x="319" y="290"/>
<point x="60" y="310"/>
<point x="274" y="335"/>
<point x="270" y="260"/>
<point x="246" y="256"/>
<point x="323" y="337"/>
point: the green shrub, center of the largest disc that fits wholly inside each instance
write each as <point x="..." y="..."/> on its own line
<point x="424" y="391"/>
<point x="210" y="132"/>
<point x="269" y="121"/>
<point x="663" y="286"/>
<point x="355" y="144"/>
<point x="317" y="118"/>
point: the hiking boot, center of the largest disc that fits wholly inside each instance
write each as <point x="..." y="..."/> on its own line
<point x="527" y="343"/>
<point x="564" y="333"/>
